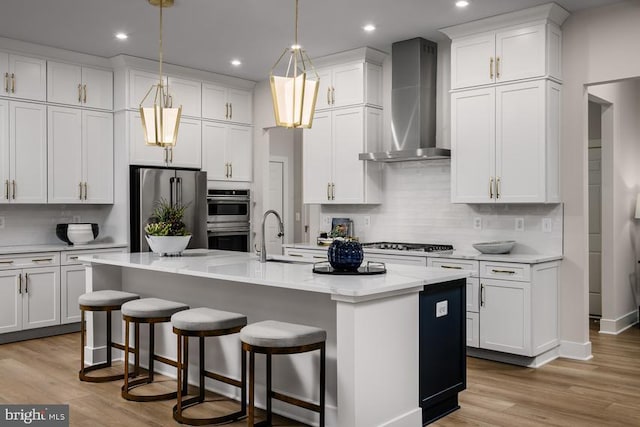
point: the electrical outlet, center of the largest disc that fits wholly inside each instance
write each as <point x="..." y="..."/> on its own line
<point x="547" y="225"/>
<point x="76" y="219"/>
<point x="1" y="222"/>
<point x="477" y="223"/>
<point x="366" y="220"/>
<point x="519" y="224"/>
<point x="297" y="216"/>
<point x="442" y="308"/>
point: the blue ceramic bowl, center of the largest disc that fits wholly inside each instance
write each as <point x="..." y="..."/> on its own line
<point x="345" y="255"/>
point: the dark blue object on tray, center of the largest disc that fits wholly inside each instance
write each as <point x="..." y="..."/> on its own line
<point x="345" y="255"/>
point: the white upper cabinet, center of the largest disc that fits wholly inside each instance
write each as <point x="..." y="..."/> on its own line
<point x="332" y="172"/>
<point x="227" y="152"/>
<point x="525" y="44"/>
<point x="23" y="77"/>
<point x="82" y="86"/>
<point x="226" y="104"/>
<point x="187" y="93"/>
<point x="349" y="84"/>
<point x="139" y="152"/>
<point x="140" y="82"/>
<point x="4" y="152"/>
<point x="187" y="152"/>
<point x="80" y="156"/>
<point x="505" y="144"/>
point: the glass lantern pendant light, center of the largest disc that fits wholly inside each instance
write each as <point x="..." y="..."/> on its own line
<point x="160" y="122"/>
<point x="294" y="92"/>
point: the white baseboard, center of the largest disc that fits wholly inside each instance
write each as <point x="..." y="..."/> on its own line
<point x="575" y="350"/>
<point x="514" y="359"/>
<point x="622" y="323"/>
<point x="409" y="419"/>
<point x="95" y="355"/>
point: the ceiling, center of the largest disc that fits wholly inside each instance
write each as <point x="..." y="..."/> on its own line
<point x="207" y="34"/>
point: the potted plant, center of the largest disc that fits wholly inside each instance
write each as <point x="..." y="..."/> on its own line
<point x="166" y="232"/>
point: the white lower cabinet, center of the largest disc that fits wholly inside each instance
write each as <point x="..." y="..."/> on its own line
<point x="41" y="297"/>
<point x="10" y="301"/>
<point x="73" y="285"/>
<point x="473" y="329"/>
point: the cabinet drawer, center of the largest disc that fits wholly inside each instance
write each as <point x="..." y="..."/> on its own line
<point x="41" y="259"/>
<point x="473" y="330"/>
<point x="394" y="259"/>
<point x="454" y="264"/>
<point x="320" y="254"/>
<point x="71" y="257"/>
<point x="505" y="270"/>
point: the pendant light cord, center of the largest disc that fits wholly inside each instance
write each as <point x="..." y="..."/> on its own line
<point x="160" y="77"/>
<point x="296" y="24"/>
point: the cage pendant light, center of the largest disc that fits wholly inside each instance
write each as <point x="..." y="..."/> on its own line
<point x="160" y="121"/>
<point x="294" y="92"/>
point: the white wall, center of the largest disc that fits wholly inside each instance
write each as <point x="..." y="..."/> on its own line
<point x="599" y="45"/>
<point x="620" y="184"/>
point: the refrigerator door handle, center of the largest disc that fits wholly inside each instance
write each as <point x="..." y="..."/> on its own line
<point x="179" y="191"/>
<point x="172" y="191"/>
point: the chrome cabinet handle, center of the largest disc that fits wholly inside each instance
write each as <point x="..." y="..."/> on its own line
<point x="497" y="187"/>
<point x="26" y="283"/>
<point x="491" y="188"/>
<point x="503" y="271"/>
<point x="13" y="83"/>
<point x="231" y="170"/>
<point x="498" y="67"/>
<point x="6" y="82"/>
<point x="297" y="255"/>
<point x="79" y="92"/>
<point x="6" y="262"/>
<point x="171" y="155"/>
<point x="13" y="182"/>
<point x="333" y="191"/>
<point x="333" y="96"/>
<point x="491" y="68"/>
<point x="166" y="155"/>
<point x="86" y="191"/>
<point x="42" y="260"/>
<point x="226" y="110"/>
<point x="329" y="95"/>
<point x="85" y="94"/>
<point x="226" y="170"/>
<point x="73" y="257"/>
<point x="80" y="195"/>
<point x="453" y="267"/>
<point x="6" y="189"/>
<point x="328" y="191"/>
<point x="231" y="111"/>
<point x="20" y="283"/>
<point x="481" y="295"/>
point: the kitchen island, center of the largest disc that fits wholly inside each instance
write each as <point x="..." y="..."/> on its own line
<point x="376" y="371"/>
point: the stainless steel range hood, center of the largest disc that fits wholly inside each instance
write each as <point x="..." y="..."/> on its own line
<point x="413" y="104"/>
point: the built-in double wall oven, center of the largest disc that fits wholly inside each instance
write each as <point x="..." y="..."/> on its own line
<point x="228" y="219"/>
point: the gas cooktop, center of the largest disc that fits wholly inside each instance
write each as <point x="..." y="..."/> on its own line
<point x="421" y="247"/>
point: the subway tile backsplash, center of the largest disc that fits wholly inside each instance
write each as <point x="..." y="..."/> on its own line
<point x="416" y="208"/>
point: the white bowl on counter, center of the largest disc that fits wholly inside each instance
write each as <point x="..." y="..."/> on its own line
<point x="500" y="247"/>
<point x="168" y="245"/>
<point x="80" y="234"/>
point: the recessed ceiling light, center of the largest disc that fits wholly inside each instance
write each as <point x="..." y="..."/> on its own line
<point x="462" y="3"/>
<point x="236" y="62"/>
<point x="122" y="36"/>
<point x="369" y="28"/>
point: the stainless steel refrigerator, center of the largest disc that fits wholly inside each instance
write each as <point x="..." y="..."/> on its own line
<point x="149" y="185"/>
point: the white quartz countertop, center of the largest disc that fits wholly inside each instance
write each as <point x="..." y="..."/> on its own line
<point x="471" y="255"/>
<point x="245" y="268"/>
<point x="24" y="249"/>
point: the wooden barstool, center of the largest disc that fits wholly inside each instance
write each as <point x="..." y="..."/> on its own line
<point x="150" y="311"/>
<point x="106" y="301"/>
<point x="206" y="322"/>
<point x="273" y="337"/>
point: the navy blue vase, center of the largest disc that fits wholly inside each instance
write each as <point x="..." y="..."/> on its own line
<point x="345" y="255"/>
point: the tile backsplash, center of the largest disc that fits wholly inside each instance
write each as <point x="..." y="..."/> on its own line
<point x="416" y="207"/>
<point x="36" y="224"/>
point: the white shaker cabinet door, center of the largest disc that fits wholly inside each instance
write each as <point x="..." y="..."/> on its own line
<point x="10" y="301"/>
<point x="5" y="89"/>
<point x="213" y="150"/>
<point x="64" y="83"/>
<point x="188" y="150"/>
<point x="240" y="106"/>
<point x="41" y="297"/>
<point x="348" y="143"/>
<point x="188" y="94"/>
<point x="72" y="286"/>
<point x="348" y="85"/>
<point x="214" y="102"/>
<point x="473" y="61"/>
<point x="65" y="155"/>
<point x="473" y="146"/>
<point x="520" y="53"/>
<point x="505" y="313"/>
<point x="97" y="91"/>
<point x="97" y="153"/>
<point x="317" y="161"/>
<point x="139" y="84"/>
<point x="520" y="142"/>
<point x="28" y="77"/>
<point x="324" y="89"/>
<point x="28" y="148"/>
<point x="239" y="153"/>
<point x="139" y="152"/>
<point x="4" y="151"/>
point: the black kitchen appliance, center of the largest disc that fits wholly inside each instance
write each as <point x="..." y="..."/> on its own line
<point x="420" y="247"/>
<point x="228" y="219"/>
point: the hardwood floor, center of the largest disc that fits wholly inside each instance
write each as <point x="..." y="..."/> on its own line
<point x="604" y="391"/>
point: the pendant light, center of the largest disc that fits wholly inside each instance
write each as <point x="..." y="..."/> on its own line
<point x="160" y="122"/>
<point x="294" y="92"/>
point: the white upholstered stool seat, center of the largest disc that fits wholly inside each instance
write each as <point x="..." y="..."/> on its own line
<point x="152" y="307"/>
<point x="207" y="319"/>
<point x="106" y="298"/>
<point x="271" y="333"/>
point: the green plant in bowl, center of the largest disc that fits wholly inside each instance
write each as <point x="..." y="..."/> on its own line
<point x="167" y="220"/>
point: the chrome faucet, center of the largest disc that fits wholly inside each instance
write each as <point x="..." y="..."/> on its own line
<point x="263" y="249"/>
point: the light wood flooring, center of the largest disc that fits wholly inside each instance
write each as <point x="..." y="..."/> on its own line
<point x="604" y="391"/>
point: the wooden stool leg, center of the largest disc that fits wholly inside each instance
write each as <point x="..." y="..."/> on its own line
<point x="269" y="414"/>
<point x="243" y="380"/>
<point x="136" y="360"/>
<point x="252" y="374"/>
<point x="178" y="382"/>
<point x="152" y="341"/>
<point x="109" y="340"/>
<point x="125" y="387"/>
<point x="202" y="370"/>
<point x="185" y="381"/>
<point x="83" y="330"/>
<point x="322" y="383"/>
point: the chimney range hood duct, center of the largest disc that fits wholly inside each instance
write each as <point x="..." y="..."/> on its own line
<point x="413" y="104"/>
